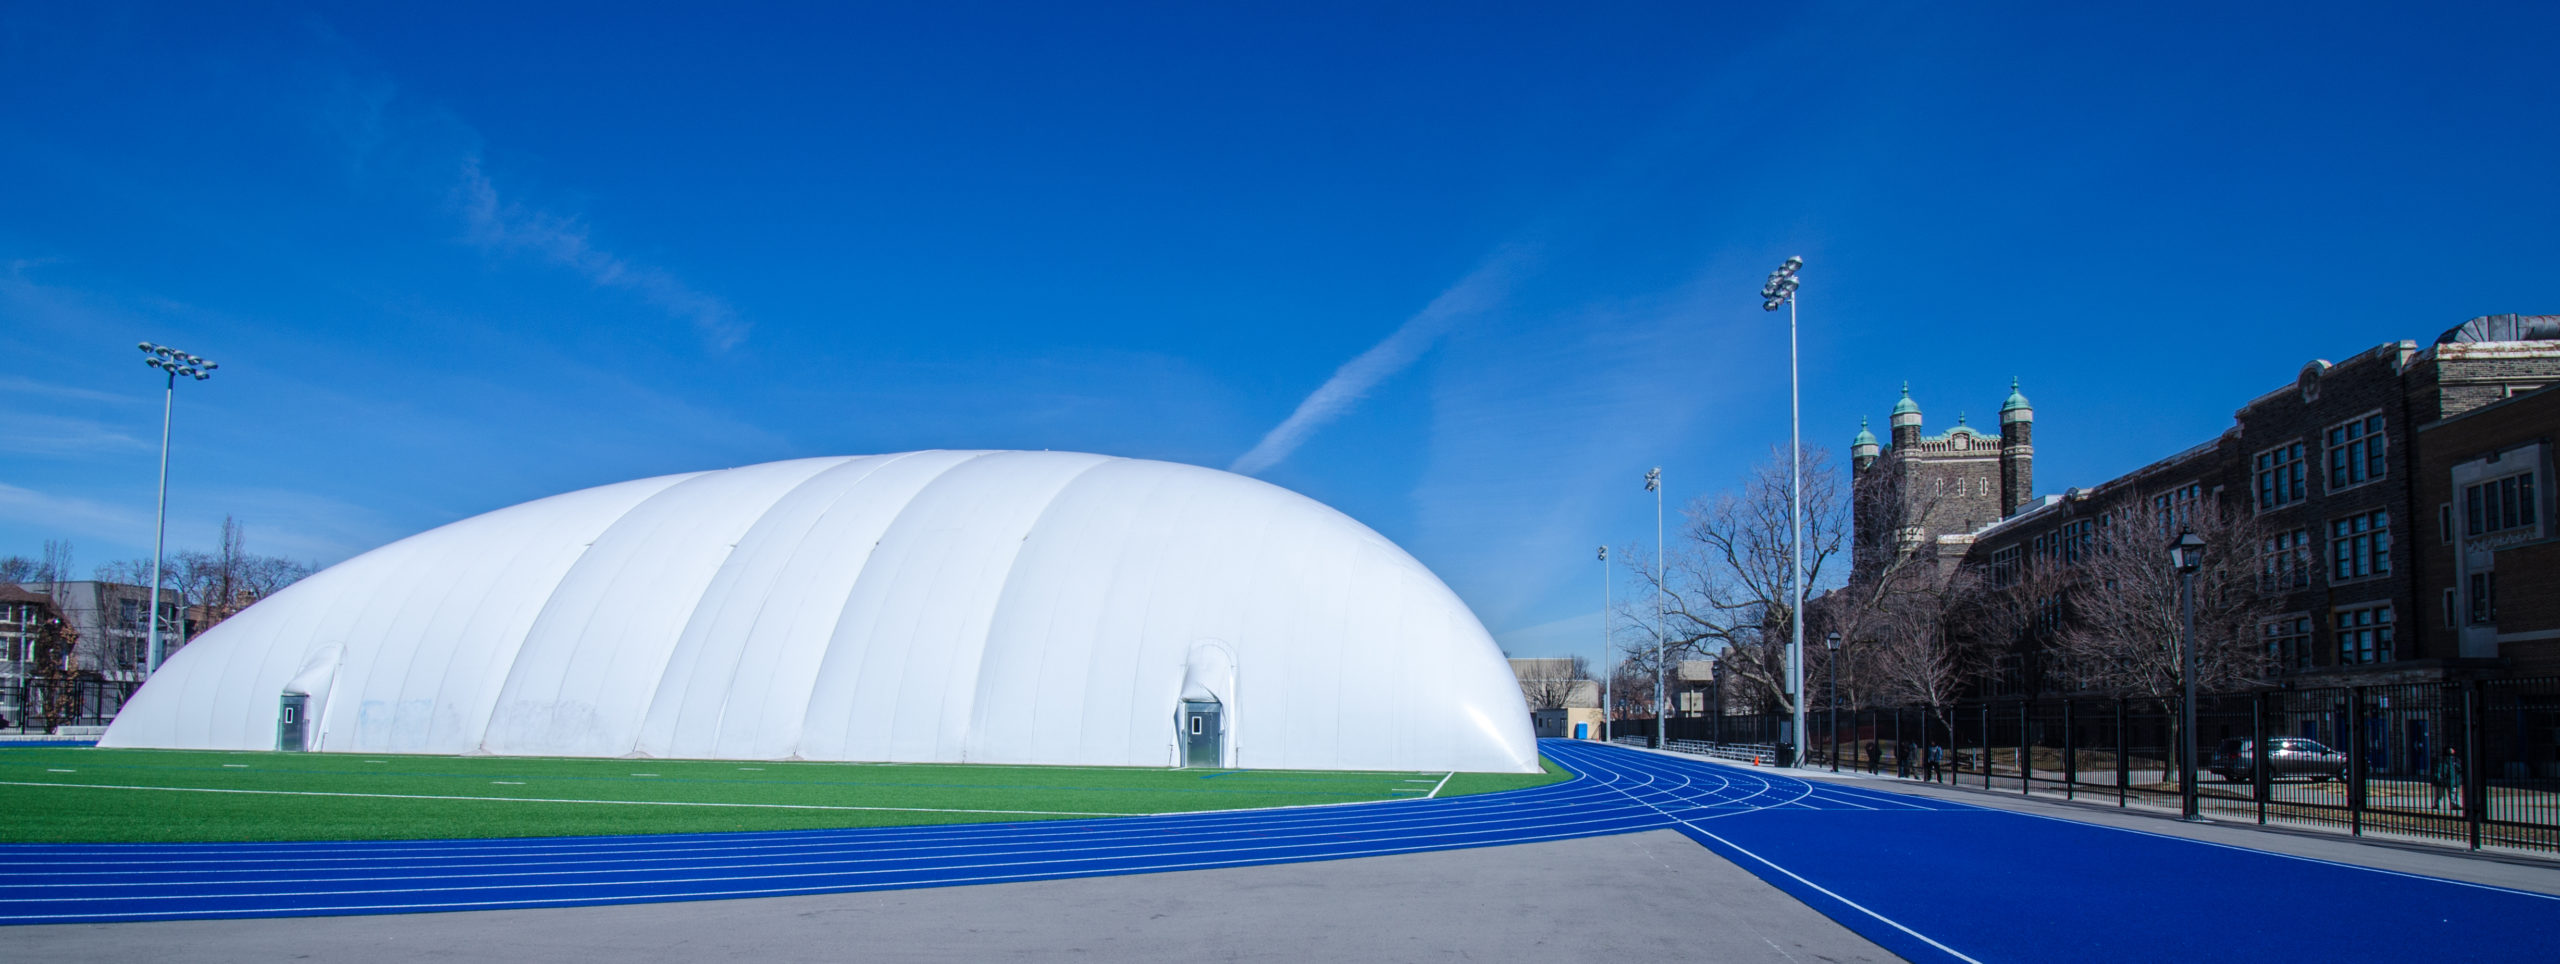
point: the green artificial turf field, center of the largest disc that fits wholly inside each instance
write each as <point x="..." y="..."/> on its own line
<point x="60" y="795"/>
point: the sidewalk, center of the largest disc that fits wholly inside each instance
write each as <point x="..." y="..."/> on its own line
<point x="2519" y="871"/>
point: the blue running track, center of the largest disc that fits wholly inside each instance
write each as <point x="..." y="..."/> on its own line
<point x="1932" y="880"/>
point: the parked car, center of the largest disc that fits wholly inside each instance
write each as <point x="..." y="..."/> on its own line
<point x="2287" y="756"/>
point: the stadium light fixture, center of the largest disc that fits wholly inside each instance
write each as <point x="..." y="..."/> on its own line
<point x="173" y="363"/>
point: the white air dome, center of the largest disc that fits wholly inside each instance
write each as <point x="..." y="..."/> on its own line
<point x="955" y="607"/>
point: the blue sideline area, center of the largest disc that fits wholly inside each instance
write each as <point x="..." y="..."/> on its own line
<point x="1932" y="880"/>
<point x="1937" y="880"/>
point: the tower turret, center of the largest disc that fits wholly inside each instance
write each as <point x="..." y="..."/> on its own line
<point x="1906" y="419"/>
<point x="2017" y="451"/>
<point x="1863" y="450"/>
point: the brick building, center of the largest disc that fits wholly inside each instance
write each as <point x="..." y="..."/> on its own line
<point x="2352" y="473"/>
<point x="2492" y="557"/>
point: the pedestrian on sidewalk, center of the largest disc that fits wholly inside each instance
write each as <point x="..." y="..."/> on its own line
<point x="1871" y="757"/>
<point x="1937" y="755"/>
<point x="1902" y="758"/>
<point x="2448" y="780"/>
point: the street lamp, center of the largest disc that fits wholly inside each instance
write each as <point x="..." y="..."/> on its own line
<point x="1606" y="670"/>
<point x="173" y="363"/>
<point x="2186" y="556"/>
<point x="1661" y="718"/>
<point x="1831" y="694"/>
<point x="1781" y="290"/>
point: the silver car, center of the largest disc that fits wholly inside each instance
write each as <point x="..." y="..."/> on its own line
<point x="2287" y="756"/>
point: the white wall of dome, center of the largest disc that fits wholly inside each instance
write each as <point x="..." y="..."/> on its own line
<point x="941" y="606"/>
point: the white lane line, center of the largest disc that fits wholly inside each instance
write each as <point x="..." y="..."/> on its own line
<point x="1496" y="810"/>
<point x="1435" y="788"/>
<point x="1827" y="892"/>
<point x="617" y="803"/>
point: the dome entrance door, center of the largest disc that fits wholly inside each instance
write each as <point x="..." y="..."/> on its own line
<point x="1201" y="735"/>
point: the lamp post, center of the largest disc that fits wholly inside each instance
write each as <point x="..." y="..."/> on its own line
<point x="1661" y="716"/>
<point x="1831" y="694"/>
<point x="2187" y="555"/>
<point x="1605" y="668"/>
<point x="173" y="363"/>
<point x="1781" y="290"/>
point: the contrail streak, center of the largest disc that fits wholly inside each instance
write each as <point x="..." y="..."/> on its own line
<point x="1479" y="290"/>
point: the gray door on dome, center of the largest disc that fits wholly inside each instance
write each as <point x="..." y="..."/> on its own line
<point x="1201" y="735"/>
<point x="292" y="722"/>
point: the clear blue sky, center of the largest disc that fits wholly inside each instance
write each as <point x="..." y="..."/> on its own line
<point x="460" y="256"/>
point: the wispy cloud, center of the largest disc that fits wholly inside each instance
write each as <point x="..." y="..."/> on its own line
<point x="499" y="224"/>
<point x="29" y="433"/>
<point x="69" y="513"/>
<point x="29" y="386"/>
<point x="1479" y="290"/>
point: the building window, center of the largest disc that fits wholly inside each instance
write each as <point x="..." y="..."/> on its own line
<point x="2364" y="635"/>
<point x="2360" y="546"/>
<point x="2004" y="565"/>
<point x="2356" y="451"/>
<point x="2279" y="474"/>
<point x="2498" y="504"/>
<point x="2444" y="521"/>
<point x="2076" y="539"/>
<point x="2284" y="561"/>
<point x="2450" y="607"/>
<point x="2288" y="640"/>
<point x="2176" y="506"/>
<point x="2484" y="598"/>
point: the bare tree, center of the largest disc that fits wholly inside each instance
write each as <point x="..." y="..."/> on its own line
<point x="224" y="581"/>
<point x="1726" y="589"/>
<point x="1894" y="574"/>
<point x="1914" y="655"/>
<point x="56" y="700"/>
<point x="2124" y="623"/>
<point x="17" y="569"/>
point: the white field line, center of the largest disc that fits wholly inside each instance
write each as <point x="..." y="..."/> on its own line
<point x="618" y="803"/>
<point x="1435" y="788"/>
<point x="1861" y="908"/>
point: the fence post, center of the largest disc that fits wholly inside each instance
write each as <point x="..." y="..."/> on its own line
<point x="2026" y="742"/>
<point x="2355" y="760"/>
<point x="2123" y="776"/>
<point x="2475" y="771"/>
<point x="2258" y="780"/>
<point x="2070" y="752"/>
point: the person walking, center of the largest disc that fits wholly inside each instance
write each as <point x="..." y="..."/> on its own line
<point x="2448" y="780"/>
<point x="1937" y="755"/>
<point x="1871" y="757"/>
<point x="1902" y="759"/>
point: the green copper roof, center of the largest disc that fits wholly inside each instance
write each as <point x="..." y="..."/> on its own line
<point x="2016" y="401"/>
<point x="1864" y="437"/>
<point x="1906" y="406"/>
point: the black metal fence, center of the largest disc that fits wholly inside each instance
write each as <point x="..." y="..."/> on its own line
<point x="2504" y="736"/>
<point x="46" y="706"/>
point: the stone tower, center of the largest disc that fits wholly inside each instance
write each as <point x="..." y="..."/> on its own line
<point x="1943" y="487"/>
<point x="2017" y="452"/>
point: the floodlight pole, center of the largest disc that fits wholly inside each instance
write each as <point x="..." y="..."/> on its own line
<point x="1781" y="289"/>
<point x="1607" y="671"/>
<point x="1661" y="633"/>
<point x="173" y="363"/>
